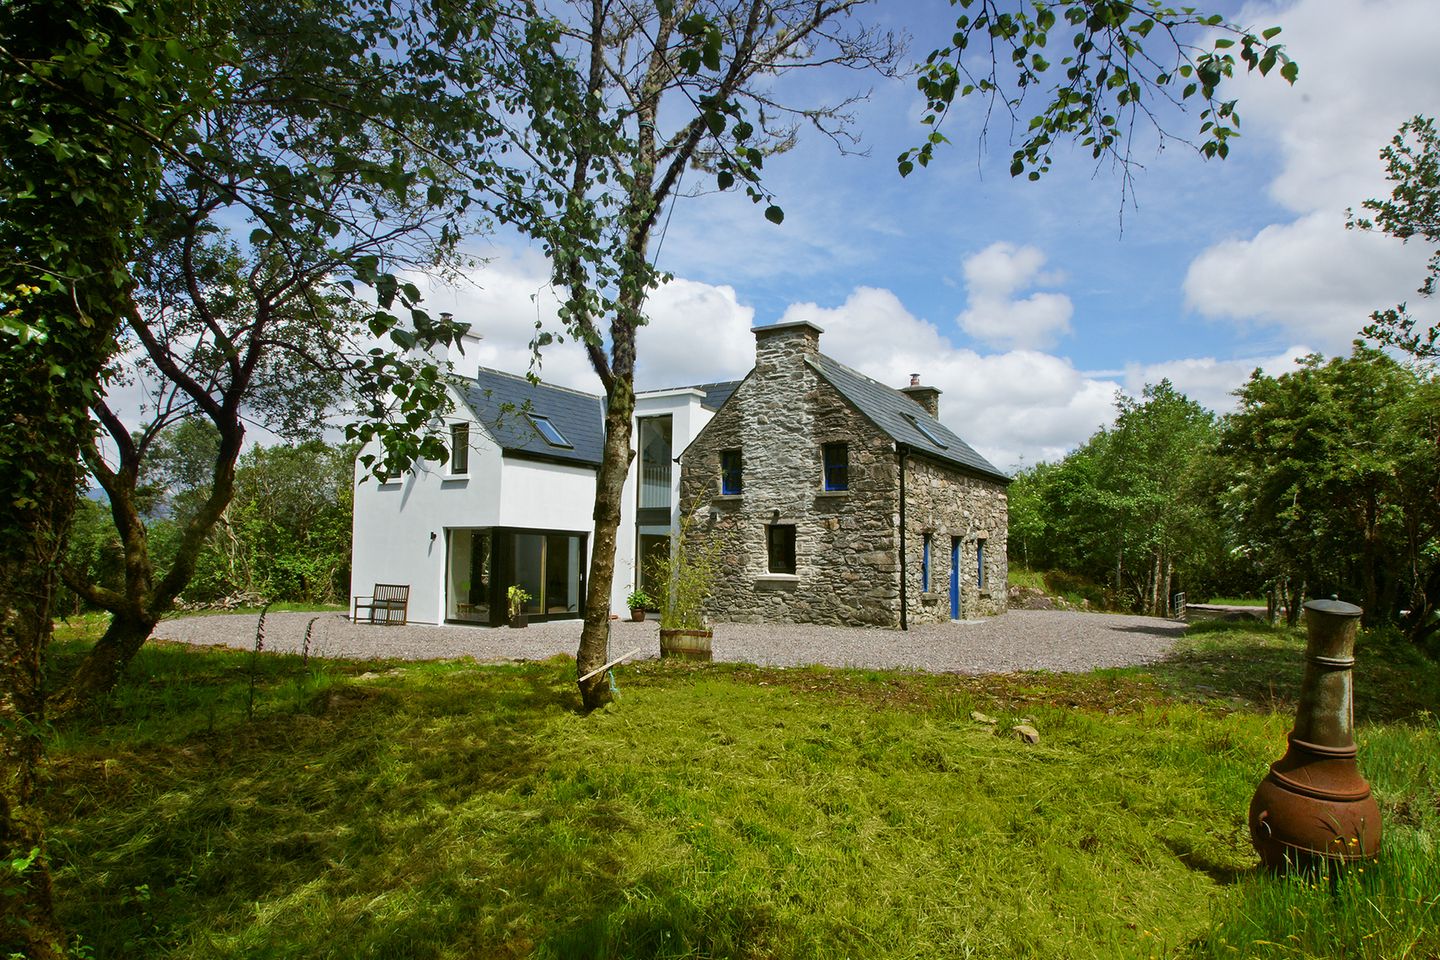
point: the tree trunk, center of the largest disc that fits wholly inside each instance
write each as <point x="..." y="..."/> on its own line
<point x="106" y="662"/>
<point x="28" y="927"/>
<point x="609" y="486"/>
<point x="1369" y="560"/>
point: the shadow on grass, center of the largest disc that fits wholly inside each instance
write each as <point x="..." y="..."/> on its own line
<point x="270" y="838"/>
<point x="652" y="921"/>
<point x="1261" y="667"/>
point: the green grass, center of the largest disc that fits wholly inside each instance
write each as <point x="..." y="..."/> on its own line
<point x="452" y="810"/>
<point x="1020" y="577"/>
<point x="1238" y="601"/>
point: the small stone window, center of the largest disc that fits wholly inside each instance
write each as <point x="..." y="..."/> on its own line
<point x="837" y="466"/>
<point x="925" y="566"/>
<point x="459" y="449"/>
<point x="980" y="564"/>
<point x="732" y="481"/>
<point x="780" y="543"/>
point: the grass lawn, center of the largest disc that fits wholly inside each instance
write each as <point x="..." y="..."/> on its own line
<point x="454" y="810"/>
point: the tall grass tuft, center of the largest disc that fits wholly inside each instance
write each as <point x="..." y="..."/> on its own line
<point x="255" y="661"/>
<point x="305" y="645"/>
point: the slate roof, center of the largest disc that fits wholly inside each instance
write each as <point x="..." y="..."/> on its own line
<point x="716" y="393"/>
<point x="896" y="414"/>
<point x="501" y="401"/>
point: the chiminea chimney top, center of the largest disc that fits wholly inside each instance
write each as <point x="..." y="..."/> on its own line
<point x="914" y="379"/>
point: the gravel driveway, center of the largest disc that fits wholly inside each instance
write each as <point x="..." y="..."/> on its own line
<point x="1056" y="640"/>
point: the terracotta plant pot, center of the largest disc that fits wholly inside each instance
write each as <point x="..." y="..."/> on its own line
<point x="686" y="644"/>
<point x="637" y="614"/>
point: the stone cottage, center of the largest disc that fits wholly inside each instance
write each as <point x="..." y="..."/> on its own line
<point x="832" y="498"/>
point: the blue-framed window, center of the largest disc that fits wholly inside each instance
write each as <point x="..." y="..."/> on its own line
<point x="459" y="449"/>
<point x="980" y="564"/>
<point x="549" y="431"/>
<point x="732" y="480"/>
<point x="925" y="566"/>
<point x="837" y="465"/>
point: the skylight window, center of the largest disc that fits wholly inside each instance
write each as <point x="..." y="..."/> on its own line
<point x="549" y="431"/>
<point x="929" y="431"/>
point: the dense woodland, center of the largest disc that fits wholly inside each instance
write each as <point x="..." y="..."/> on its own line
<point x="1324" y="481"/>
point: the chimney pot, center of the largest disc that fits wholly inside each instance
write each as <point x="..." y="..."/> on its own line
<point x="914" y="379"/>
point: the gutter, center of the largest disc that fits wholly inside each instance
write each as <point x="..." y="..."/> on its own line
<point x="903" y="452"/>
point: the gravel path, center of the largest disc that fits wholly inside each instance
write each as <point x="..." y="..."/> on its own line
<point x="1056" y="640"/>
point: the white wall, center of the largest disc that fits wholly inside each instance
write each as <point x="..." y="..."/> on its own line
<point x="687" y="419"/>
<point x="393" y="522"/>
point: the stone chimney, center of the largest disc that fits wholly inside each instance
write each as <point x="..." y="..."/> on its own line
<point x="927" y="397"/>
<point x="783" y="344"/>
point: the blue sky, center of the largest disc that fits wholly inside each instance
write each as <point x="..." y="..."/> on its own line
<point x="1024" y="301"/>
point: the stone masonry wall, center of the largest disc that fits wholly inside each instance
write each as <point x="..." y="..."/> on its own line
<point x="948" y="503"/>
<point x="846" y="550"/>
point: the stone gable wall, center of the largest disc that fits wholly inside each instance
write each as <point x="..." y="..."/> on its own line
<point x="846" y="550"/>
<point x="847" y="568"/>
<point x="949" y="503"/>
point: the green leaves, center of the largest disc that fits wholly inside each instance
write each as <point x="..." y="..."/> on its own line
<point x="1412" y="160"/>
<point x="1095" y="95"/>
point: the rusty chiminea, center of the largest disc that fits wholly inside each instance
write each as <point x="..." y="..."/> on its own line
<point x="1313" y="804"/>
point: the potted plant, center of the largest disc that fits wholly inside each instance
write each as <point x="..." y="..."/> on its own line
<point x="639" y="601"/>
<point x="688" y="573"/>
<point x="518" y="598"/>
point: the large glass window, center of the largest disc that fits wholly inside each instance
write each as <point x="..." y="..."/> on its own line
<point x="467" y="594"/>
<point x="655" y="462"/>
<point x="837" y="466"/>
<point x="529" y="567"/>
<point x="654" y="545"/>
<point x="731" y="479"/>
<point x="459" y="448"/>
<point x="780" y="539"/>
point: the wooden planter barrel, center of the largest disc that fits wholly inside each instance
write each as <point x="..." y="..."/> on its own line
<point x="686" y="644"/>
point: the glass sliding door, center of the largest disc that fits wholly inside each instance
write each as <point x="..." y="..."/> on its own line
<point x="467" y="582"/>
<point x="654" y="544"/>
<point x="550" y="567"/>
<point x="529" y="569"/>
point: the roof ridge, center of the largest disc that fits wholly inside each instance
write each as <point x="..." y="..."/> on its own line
<point x="536" y="383"/>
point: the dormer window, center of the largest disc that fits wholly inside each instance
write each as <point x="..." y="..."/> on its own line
<point x="549" y="431"/>
<point x="927" y="430"/>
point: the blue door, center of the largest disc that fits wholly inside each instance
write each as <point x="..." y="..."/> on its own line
<point x="954" y="578"/>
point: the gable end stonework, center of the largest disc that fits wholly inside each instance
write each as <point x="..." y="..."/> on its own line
<point x="847" y="542"/>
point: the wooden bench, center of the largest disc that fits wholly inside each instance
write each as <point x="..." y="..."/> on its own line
<point x="389" y="604"/>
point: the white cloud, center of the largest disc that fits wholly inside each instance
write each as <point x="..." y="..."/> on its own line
<point x="1206" y="380"/>
<point x="994" y="316"/>
<point x="1308" y="278"/>
<point x="1365" y="66"/>
<point x="697" y="332"/>
<point x="1014" y="407"/>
